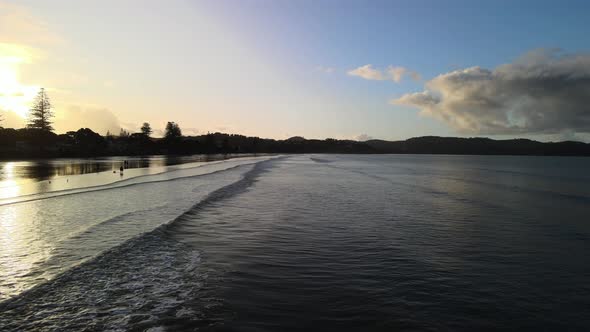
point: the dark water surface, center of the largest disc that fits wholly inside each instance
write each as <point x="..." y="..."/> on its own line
<point x="325" y="242"/>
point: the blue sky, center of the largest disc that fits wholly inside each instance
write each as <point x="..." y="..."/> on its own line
<point x="282" y="68"/>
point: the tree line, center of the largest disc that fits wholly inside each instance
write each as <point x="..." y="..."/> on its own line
<point x="41" y="115"/>
<point x="38" y="139"/>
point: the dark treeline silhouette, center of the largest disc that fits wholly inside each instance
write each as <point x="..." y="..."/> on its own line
<point x="38" y="140"/>
<point x="34" y="143"/>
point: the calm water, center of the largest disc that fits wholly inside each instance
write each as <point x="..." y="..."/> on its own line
<point x="307" y="242"/>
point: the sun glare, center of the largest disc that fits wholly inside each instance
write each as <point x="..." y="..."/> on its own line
<point x="14" y="96"/>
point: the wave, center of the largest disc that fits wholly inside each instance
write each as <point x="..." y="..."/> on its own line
<point x="66" y="230"/>
<point x="320" y="160"/>
<point x="128" y="182"/>
<point x="127" y="285"/>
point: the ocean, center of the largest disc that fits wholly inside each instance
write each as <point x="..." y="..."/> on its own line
<point x="302" y="242"/>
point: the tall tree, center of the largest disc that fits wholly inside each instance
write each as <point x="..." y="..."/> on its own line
<point x="146" y="129"/>
<point x="172" y="131"/>
<point x="40" y="114"/>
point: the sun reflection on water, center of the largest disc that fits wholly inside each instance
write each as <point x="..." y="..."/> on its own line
<point x="18" y="242"/>
<point x="9" y="187"/>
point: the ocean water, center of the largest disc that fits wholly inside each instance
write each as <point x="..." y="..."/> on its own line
<point x="307" y="242"/>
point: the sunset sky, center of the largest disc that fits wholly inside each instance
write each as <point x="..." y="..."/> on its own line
<point x="341" y="69"/>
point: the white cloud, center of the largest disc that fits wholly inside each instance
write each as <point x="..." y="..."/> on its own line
<point x="367" y="72"/>
<point x="543" y="92"/>
<point x="392" y="73"/>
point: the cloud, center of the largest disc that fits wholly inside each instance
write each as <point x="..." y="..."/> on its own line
<point x="392" y="73"/>
<point x="74" y="117"/>
<point x="543" y="92"/>
<point x="396" y="73"/>
<point x="367" y="72"/>
<point x="363" y="137"/>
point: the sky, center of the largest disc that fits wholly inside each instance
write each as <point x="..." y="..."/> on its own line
<point x="339" y="69"/>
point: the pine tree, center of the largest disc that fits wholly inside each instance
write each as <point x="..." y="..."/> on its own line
<point x="146" y="129"/>
<point x="40" y="114"/>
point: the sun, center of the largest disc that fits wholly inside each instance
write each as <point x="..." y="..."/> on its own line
<point x="14" y="96"/>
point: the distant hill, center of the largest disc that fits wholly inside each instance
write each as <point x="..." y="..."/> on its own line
<point x="483" y="146"/>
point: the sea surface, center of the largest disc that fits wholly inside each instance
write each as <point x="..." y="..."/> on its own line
<point x="303" y="242"/>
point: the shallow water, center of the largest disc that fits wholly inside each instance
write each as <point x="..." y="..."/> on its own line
<point x="320" y="242"/>
<point x="44" y="234"/>
<point x="29" y="177"/>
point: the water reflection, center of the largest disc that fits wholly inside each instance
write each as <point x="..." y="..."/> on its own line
<point x="18" y="238"/>
<point x="8" y="186"/>
<point x="46" y="169"/>
<point x="19" y="178"/>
